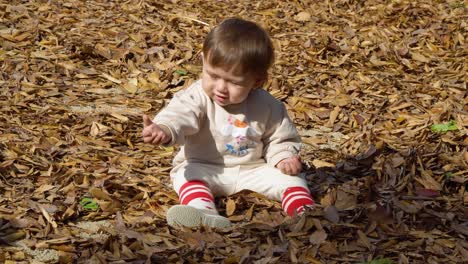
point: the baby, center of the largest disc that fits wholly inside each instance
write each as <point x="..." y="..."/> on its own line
<point x="234" y="135"/>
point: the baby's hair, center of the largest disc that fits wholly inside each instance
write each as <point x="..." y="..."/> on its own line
<point x="239" y="45"/>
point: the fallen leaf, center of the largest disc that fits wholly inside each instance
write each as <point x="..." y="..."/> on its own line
<point x="331" y="213"/>
<point x="444" y="128"/>
<point x="302" y="16"/>
<point x="230" y="207"/>
<point x="318" y="237"/>
<point x="419" y="57"/>
<point x="320" y="163"/>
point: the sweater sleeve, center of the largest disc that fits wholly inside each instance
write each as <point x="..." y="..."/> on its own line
<point x="184" y="114"/>
<point x="281" y="139"/>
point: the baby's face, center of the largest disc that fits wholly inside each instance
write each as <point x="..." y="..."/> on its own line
<point x="226" y="87"/>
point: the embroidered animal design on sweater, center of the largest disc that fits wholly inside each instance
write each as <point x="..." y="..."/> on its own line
<point x="240" y="131"/>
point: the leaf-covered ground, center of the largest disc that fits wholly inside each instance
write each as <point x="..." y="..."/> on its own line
<point x="365" y="81"/>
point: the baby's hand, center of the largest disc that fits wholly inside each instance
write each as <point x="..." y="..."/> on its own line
<point x="290" y="166"/>
<point x="154" y="134"/>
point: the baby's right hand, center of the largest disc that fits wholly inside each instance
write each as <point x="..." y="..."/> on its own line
<point x="154" y="134"/>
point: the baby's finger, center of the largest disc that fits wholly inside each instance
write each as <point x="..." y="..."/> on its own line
<point x="294" y="171"/>
<point x="287" y="168"/>
<point x="280" y="166"/>
<point x="147" y="139"/>
<point x="157" y="139"/>
<point x="146" y="132"/>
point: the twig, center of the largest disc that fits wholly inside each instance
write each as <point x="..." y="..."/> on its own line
<point x="188" y="18"/>
<point x="196" y="20"/>
<point x="307" y="34"/>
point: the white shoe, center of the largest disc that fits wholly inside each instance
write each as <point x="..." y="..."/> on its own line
<point x="188" y="216"/>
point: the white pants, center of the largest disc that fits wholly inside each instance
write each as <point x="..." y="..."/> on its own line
<point x="263" y="179"/>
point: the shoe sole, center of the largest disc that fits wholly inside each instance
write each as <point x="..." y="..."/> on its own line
<point x="187" y="216"/>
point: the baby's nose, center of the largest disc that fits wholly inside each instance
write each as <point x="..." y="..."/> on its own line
<point x="222" y="86"/>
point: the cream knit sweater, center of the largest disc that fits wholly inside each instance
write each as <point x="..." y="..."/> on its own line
<point x="253" y="132"/>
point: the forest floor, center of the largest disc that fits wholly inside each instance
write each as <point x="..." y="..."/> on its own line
<point x="377" y="89"/>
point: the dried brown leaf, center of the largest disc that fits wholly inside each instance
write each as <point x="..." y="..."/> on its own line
<point x="302" y="16"/>
<point x="318" y="237"/>
<point x="230" y="207"/>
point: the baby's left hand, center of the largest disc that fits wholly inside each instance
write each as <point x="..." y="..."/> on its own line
<point x="290" y="166"/>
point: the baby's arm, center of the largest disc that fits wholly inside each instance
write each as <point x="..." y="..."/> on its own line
<point x="282" y="142"/>
<point x="180" y="118"/>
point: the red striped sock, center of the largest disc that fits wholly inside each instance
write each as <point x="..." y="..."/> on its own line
<point x="295" y="199"/>
<point x="198" y="195"/>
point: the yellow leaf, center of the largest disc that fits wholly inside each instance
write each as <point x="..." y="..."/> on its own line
<point x="154" y="77"/>
<point x="98" y="129"/>
<point x="329" y="198"/>
<point x="375" y="61"/>
<point x="120" y="117"/>
<point x="22" y="36"/>
<point x="314" y="141"/>
<point x="340" y="61"/>
<point x="363" y="78"/>
<point x="363" y="238"/>
<point x="419" y="57"/>
<point x="303" y="16"/>
<point x="333" y="116"/>
<point x="320" y="163"/>
<point x="131" y="86"/>
<point x="44" y="188"/>
<point x="428" y="181"/>
<point x="366" y="43"/>
<point x="110" y="78"/>
<point x="47" y="216"/>
<point x="230" y="207"/>
<point x="313" y="260"/>
<point x="67" y="65"/>
<point x="100" y="194"/>
<point x="400" y="119"/>
<point x="342" y="100"/>
<point x="249" y="213"/>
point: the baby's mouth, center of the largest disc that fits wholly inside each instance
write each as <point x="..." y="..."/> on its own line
<point x="221" y="97"/>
